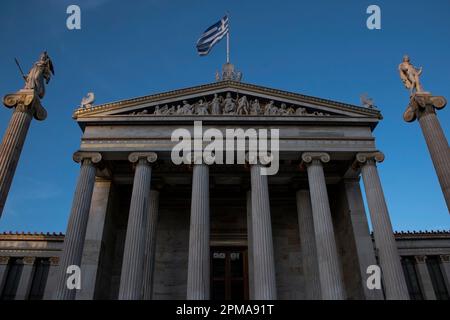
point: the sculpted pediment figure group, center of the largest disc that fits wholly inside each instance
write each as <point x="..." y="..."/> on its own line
<point x="227" y="105"/>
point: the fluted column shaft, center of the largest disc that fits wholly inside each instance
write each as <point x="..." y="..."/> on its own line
<point x="78" y="219"/>
<point x="150" y="244"/>
<point x="10" y="150"/>
<point x="438" y="147"/>
<point x="251" y="268"/>
<point x="132" y="276"/>
<point x="445" y="269"/>
<point x="308" y="245"/>
<point x="331" y="284"/>
<point x="263" y="258"/>
<point x="393" y="277"/>
<point x="425" y="278"/>
<point x="198" y="282"/>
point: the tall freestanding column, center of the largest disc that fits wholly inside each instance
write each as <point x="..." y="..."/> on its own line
<point x="422" y="106"/>
<point x="392" y="272"/>
<point x="133" y="257"/>
<point x="26" y="105"/>
<point x="308" y="245"/>
<point x="198" y="265"/>
<point x="331" y="284"/>
<point x="264" y="280"/>
<point x="150" y="244"/>
<point x="76" y="228"/>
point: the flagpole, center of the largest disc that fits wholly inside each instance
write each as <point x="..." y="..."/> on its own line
<point x="228" y="39"/>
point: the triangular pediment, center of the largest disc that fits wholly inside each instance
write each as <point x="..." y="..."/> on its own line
<point x="229" y="98"/>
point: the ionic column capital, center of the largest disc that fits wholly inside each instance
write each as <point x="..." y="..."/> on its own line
<point x="150" y="157"/>
<point x="310" y="157"/>
<point x="26" y="101"/>
<point x="445" y="258"/>
<point x="422" y="103"/>
<point x="4" y="260"/>
<point x="93" y="157"/>
<point x="54" y="261"/>
<point x="29" y="260"/>
<point x="367" y="157"/>
<point x="252" y="158"/>
<point x="420" y="259"/>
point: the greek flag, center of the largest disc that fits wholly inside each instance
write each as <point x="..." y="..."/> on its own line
<point x="211" y="36"/>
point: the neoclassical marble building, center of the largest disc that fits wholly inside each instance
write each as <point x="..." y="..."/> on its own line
<point x="142" y="227"/>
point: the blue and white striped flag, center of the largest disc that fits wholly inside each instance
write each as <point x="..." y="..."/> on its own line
<point x="211" y="36"/>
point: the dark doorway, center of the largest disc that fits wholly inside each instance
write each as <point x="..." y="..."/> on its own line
<point x="229" y="273"/>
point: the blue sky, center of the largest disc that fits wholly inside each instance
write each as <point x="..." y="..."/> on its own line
<point x="131" y="48"/>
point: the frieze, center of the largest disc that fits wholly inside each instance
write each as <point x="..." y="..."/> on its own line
<point x="229" y="105"/>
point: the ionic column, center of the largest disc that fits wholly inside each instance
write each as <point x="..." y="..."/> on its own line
<point x="90" y="262"/>
<point x="424" y="278"/>
<point x="52" y="278"/>
<point x="445" y="269"/>
<point x="150" y="244"/>
<point x="264" y="280"/>
<point x="23" y="289"/>
<point x="394" y="279"/>
<point x="26" y="105"/>
<point x="3" y="271"/>
<point x="78" y="219"/>
<point x="308" y="245"/>
<point x="199" y="252"/>
<point x="133" y="257"/>
<point x="331" y="284"/>
<point x="423" y="107"/>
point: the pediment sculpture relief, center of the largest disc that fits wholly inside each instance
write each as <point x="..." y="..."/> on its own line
<point x="227" y="105"/>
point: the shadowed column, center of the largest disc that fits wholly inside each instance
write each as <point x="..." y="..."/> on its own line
<point x="132" y="276"/>
<point x="198" y="266"/>
<point x="331" y="284"/>
<point x="150" y="244"/>
<point x="308" y="245"/>
<point x="264" y="280"/>
<point x="392" y="272"/>
<point x="78" y="219"/>
<point x="424" y="278"/>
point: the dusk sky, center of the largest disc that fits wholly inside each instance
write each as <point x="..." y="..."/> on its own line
<point x="132" y="48"/>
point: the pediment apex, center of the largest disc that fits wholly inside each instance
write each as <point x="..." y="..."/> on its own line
<point x="282" y="101"/>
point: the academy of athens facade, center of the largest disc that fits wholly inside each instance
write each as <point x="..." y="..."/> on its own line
<point x="142" y="227"/>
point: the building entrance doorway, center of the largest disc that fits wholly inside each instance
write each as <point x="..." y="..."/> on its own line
<point x="229" y="273"/>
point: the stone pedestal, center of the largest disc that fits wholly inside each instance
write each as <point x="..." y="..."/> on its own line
<point x="78" y="219"/>
<point x="424" y="278"/>
<point x="423" y="107"/>
<point x="308" y="245"/>
<point x="331" y="284"/>
<point x="263" y="258"/>
<point x="392" y="272"/>
<point x="26" y="106"/>
<point x="132" y="276"/>
<point x="150" y="244"/>
<point x="198" y="282"/>
<point x="23" y="289"/>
